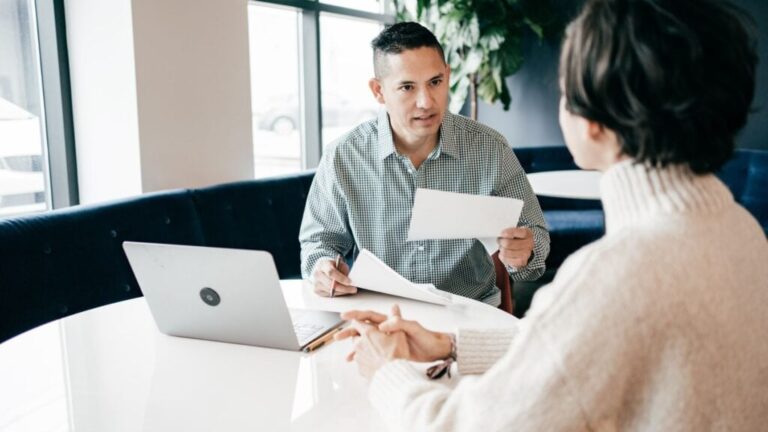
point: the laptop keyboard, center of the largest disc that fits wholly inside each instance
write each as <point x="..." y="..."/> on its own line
<point x="305" y="330"/>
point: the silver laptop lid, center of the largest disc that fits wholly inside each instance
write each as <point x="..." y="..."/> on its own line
<point x="226" y="295"/>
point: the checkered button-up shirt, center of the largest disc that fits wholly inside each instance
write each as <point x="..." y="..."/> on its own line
<point x="363" y="191"/>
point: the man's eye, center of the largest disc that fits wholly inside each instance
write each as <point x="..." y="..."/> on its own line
<point x="406" y="87"/>
<point x="436" y="82"/>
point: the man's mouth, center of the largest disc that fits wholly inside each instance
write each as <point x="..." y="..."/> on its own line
<point x="425" y="117"/>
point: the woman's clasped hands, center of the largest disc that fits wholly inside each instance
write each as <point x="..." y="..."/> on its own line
<point x="378" y="339"/>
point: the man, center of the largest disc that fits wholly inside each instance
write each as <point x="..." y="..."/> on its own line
<point x="363" y="191"/>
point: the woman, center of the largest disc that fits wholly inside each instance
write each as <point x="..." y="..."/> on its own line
<point x="659" y="325"/>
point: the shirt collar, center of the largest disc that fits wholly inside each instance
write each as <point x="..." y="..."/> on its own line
<point x="446" y="144"/>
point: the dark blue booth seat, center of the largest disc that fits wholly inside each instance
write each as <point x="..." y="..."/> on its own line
<point x="262" y="215"/>
<point x="62" y="262"/>
<point x="58" y="263"/>
<point x="746" y="174"/>
<point x="574" y="223"/>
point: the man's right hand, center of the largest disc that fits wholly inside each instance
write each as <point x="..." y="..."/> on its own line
<point x="326" y="274"/>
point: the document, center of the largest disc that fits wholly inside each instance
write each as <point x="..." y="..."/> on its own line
<point x="439" y="215"/>
<point x="371" y="273"/>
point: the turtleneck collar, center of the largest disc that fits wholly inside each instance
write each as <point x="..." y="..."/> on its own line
<point x="632" y="193"/>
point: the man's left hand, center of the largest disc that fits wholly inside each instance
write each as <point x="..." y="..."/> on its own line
<point x="516" y="247"/>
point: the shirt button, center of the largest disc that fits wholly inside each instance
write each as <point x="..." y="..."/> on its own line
<point x="420" y="248"/>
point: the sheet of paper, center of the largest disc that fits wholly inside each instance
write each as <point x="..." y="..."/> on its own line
<point x="369" y="272"/>
<point x="439" y="215"/>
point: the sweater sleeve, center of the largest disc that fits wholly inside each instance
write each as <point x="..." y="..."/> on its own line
<point x="524" y="390"/>
<point x="575" y="358"/>
<point x="478" y="350"/>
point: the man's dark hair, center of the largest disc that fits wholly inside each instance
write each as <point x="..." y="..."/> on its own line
<point x="400" y="37"/>
<point x="675" y="79"/>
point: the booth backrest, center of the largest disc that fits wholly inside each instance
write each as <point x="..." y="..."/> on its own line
<point x="58" y="263"/>
<point x="262" y="215"/>
<point x="746" y="175"/>
<point x="66" y="261"/>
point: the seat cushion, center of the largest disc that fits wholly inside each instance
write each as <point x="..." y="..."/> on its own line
<point x="569" y="230"/>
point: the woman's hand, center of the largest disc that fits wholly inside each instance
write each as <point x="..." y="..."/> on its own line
<point x="375" y="348"/>
<point x="422" y="345"/>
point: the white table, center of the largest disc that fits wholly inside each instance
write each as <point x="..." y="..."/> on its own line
<point x="566" y="184"/>
<point x="109" y="369"/>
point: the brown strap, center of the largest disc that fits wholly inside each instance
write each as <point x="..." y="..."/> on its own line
<point x="504" y="282"/>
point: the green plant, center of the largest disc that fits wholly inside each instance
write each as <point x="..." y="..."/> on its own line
<point x="483" y="41"/>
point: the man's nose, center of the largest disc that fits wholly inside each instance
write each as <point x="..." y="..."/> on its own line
<point x="425" y="99"/>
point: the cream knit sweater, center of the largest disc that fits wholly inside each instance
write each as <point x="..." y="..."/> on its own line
<point x="661" y="325"/>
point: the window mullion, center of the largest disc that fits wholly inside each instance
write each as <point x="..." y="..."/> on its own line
<point x="60" y="136"/>
<point x="311" y="118"/>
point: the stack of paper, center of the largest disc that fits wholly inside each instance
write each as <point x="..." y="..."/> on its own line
<point x="369" y="272"/>
<point x="440" y="215"/>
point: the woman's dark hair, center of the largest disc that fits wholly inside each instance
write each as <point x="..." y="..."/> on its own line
<point x="674" y="79"/>
<point x="399" y="37"/>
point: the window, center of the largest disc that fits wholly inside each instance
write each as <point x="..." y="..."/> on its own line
<point x="310" y="65"/>
<point x="37" y="168"/>
<point x="346" y="67"/>
<point x="274" y="50"/>
<point x="22" y="160"/>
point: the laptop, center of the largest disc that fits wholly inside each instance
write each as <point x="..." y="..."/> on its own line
<point x="224" y="295"/>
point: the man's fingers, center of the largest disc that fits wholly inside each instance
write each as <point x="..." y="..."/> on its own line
<point x="514" y="244"/>
<point x="363" y="316"/>
<point x="514" y="232"/>
<point x="342" y="289"/>
<point x="507" y="254"/>
<point x="514" y="259"/>
<point x="335" y="274"/>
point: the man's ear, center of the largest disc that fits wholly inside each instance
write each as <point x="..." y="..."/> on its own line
<point x="375" y="85"/>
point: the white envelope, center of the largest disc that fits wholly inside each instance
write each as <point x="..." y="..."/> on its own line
<point x="369" y="272"/>
<point x="439" y="215"/>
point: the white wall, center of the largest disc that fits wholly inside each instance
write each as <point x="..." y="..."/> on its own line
<point x="100" y="42"/>
<point x="193" y="75"/>
<point x="161" y="94"/>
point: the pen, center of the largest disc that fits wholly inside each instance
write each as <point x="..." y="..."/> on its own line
<point x="322" y="340"/>
<point x="333" y="281"/>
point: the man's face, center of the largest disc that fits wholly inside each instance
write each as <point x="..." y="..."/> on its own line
<point x="413" y="86"/>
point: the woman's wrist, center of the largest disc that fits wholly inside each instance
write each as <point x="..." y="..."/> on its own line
<point x="447" y="355"/>
<point x="448" y="346"/>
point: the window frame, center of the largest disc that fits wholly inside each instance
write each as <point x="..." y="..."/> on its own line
<point x="310" y="70"/>
<point x="59" y="133"/>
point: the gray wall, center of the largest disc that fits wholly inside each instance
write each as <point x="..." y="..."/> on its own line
<point x="532" y="117"/>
